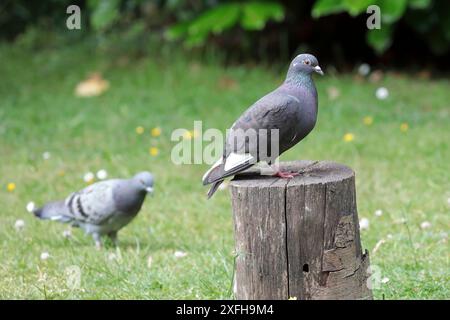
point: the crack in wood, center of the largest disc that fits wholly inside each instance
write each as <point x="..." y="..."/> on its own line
<point x="299" y="236"/>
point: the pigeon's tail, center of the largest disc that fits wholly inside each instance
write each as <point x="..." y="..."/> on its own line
<point x="214" y="188"/>
<point x="56" y="211"/>
<point x="217" y="174"/>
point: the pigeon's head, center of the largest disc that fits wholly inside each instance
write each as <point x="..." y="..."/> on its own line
<point x="145" y="181"/>
<point x="305" y="64"/>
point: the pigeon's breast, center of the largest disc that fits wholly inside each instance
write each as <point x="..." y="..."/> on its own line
<point x="306" y="113"/>
<point x="128" y="201"/>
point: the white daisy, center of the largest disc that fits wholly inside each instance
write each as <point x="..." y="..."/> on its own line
<point x="425" y="225"/>
<point x="364" y="224"/>
<point x="45" y="255"/>
<point x="67" y="233"/>
<point x="19" y="225"/>
<point x="30" y="206"/>
<point x="364" y="69"/>
<point x="102" y="174"/>
<point x="88" y="177"/>
<point x="46" y="155"/>
<point x="382" y="93"/>
<point x="378" y="213"/>
<point x="385" y="280"/>
<point x="180" y="254"/>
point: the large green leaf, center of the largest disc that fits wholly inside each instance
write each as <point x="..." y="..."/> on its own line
<point x="443" y="12"/>
<point x="380" y="39"/>
<point x="251" y="16"/>
<point x="195" y="40"/>
<point x="104" y="13"/>
<point x="356" y="7"/>
<point x="177" y="30"/>
<point x="391" y="10"/>
<point x="215" y="20"/>
<point x="445" y="27"/>
<point x="419" y="4"/>
<point x="256" y="14"/>
<point x="326" y="7"/>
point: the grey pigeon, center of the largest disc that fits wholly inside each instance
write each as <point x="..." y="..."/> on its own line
<point x="102" y="208"/>
<point x="291" y="108"/>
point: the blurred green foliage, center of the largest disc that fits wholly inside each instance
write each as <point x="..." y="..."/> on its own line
<point x="104" y="13"/>
<point x="426" y="17"/>
<point x="250" y="16"/>
<point x="251" y="27"/>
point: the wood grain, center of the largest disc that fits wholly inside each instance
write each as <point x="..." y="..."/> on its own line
<point x="299" y="237"/>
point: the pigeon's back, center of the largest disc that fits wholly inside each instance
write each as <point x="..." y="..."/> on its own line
<point x="94" y="203"/>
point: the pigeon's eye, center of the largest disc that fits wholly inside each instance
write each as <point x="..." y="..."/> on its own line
<point x="307" y="62"/>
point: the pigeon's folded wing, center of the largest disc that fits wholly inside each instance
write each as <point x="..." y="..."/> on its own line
<point x="277" y="111"/>
<point x="93" y="204"/>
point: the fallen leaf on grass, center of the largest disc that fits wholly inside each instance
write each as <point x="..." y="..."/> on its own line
<point x="227" y="83"/>
<point x="333" y="93"/>
<point x="93" y="86"/>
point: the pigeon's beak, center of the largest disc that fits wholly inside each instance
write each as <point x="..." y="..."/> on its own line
<point x="149" y="190"/>
<point x="318" y="70"/>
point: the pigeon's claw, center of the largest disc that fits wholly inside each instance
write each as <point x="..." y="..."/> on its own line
<point x="286" y="174"/>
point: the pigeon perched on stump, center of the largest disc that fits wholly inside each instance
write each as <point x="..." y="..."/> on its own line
<point x="278" y="121"/>
<point x="103" y="208"/>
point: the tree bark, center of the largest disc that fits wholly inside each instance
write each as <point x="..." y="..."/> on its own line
<point x="299" y="237"/>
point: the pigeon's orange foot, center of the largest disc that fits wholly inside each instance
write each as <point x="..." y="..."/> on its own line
<point x="286" y="174"/>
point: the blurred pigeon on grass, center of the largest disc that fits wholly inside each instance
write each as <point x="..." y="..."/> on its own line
<point x="102" y="208"/>
<point x="291" y="109"/>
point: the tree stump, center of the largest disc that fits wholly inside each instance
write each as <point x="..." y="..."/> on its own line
<point x="299" y="237"/>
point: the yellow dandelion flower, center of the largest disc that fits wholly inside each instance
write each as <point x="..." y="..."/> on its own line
<point x="348" y="137"/>
<point x="404" y="127"/>
<point x="61" y="173"/>
<point x="139" y="130"/>
<point x="11" y="187"/>
<point x="154" y="151"/>
<point x="368" y="120"/>
<point x="156" y="132"/>
<point x="292" y="298"/>
<point x="188" y="135"/>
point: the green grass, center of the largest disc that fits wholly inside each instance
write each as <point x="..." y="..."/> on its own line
<point x="405" y="174"/>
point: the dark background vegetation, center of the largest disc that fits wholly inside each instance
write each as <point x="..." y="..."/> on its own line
<point x="415" y="34"/>
<point x="92" y="99"/>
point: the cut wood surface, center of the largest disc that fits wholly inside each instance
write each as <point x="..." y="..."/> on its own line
<point x="299" y="237"/>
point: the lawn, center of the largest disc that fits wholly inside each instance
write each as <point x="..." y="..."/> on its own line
<point x="401" y="161"/>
